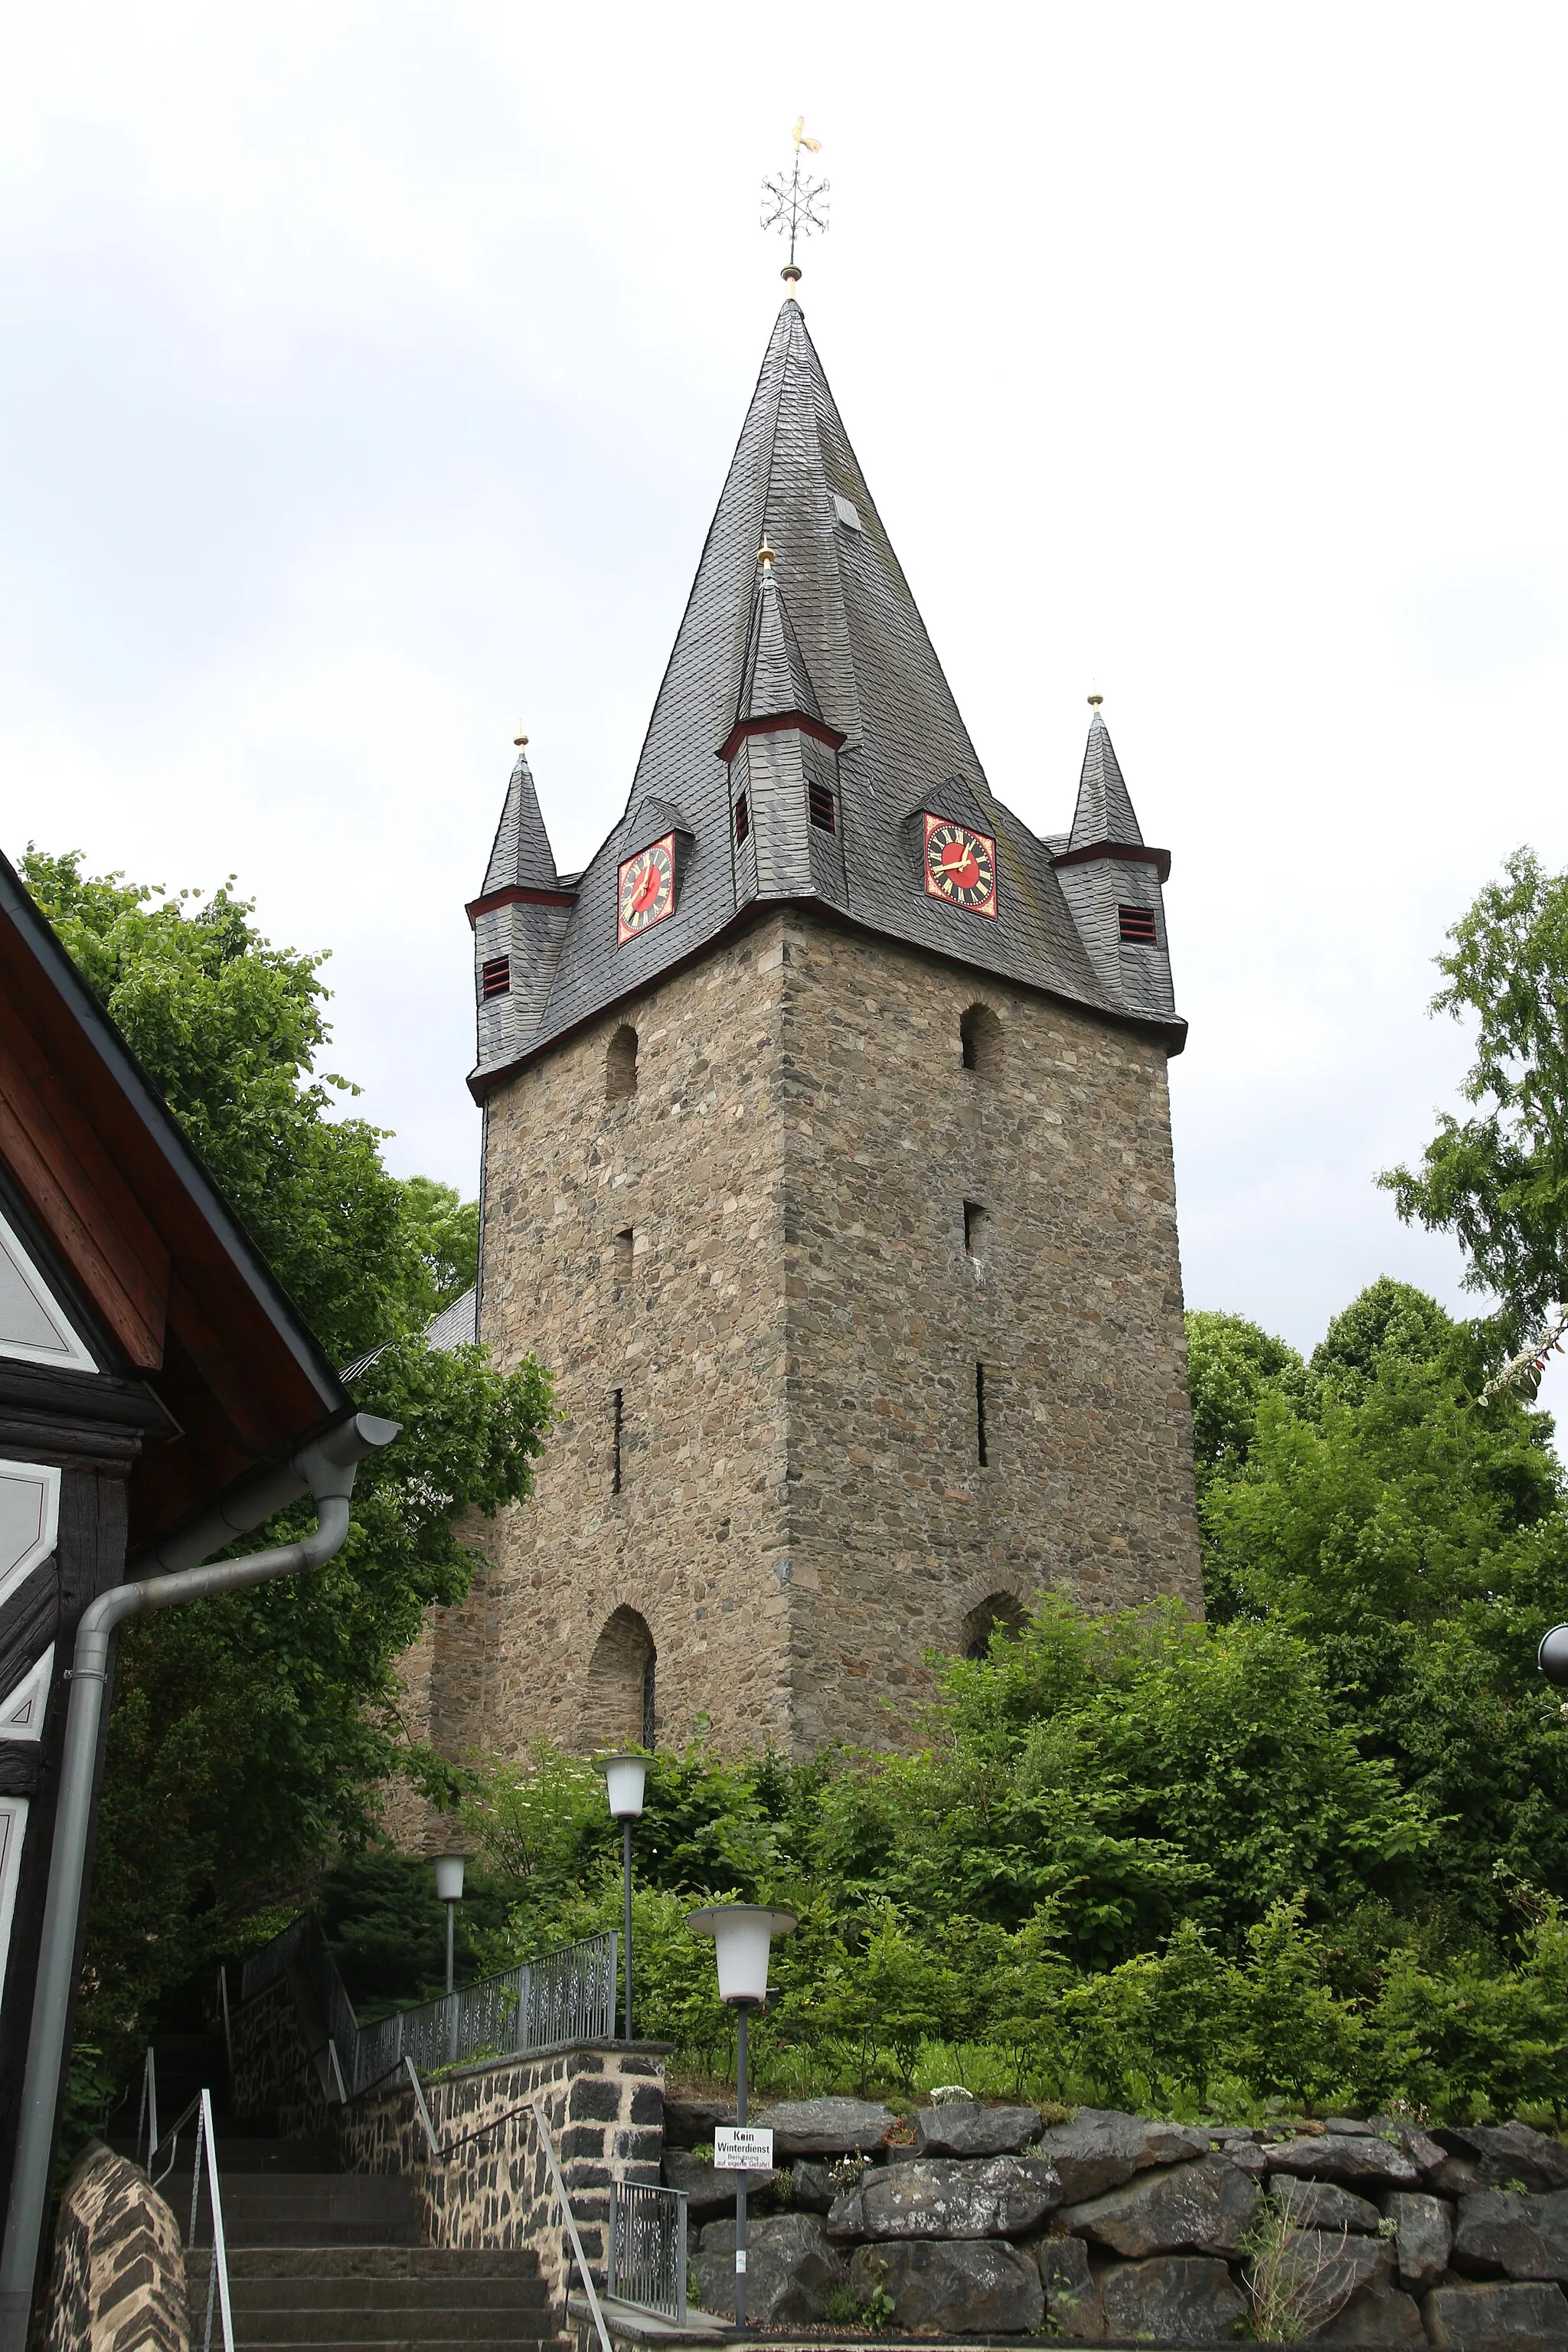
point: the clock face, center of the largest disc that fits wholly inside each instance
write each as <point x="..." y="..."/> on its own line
<point x="646" y="894"/>
<point x="961" y="866"/>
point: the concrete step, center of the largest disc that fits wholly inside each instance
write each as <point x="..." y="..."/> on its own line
<point x="246" y="2342"/>
<point x="451" y="2264"/>
<point x="373" y="2295"/>
<point x="241" y="2152"/>
<point x="316" y="2322"/>
<point x="312" y="2235"/>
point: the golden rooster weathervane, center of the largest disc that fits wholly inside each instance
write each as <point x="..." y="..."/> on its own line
<point x="796" y="207"/>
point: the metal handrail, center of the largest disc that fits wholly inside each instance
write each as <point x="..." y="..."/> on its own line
<point x="644" y="2265"/>
<point x="148" y="2110"/>
<point x="217" y="2269"/>
<point x="541" y="2123"/>
<point x="565" y="1995"/>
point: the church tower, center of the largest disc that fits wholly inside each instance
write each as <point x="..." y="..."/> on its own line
<point x="826" y="1165"/>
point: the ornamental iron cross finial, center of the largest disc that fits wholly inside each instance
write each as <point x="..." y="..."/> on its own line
<point x="796" y="207"/>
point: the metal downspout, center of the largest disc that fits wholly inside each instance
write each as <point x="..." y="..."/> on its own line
<point x="327" y="1465"/>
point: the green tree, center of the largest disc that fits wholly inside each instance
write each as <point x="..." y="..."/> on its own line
<point x="250" y="1737"/>
<point x="1499" y="1181"/>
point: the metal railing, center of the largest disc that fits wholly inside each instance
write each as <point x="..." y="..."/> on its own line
<point x="541" y="2125"/>
<point x="567" y="1995"/>
<point x="201" y="2109"/>
<point x="646" y="2263"/>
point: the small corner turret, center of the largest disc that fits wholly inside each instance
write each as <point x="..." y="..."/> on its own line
<point x="519" y="920"/>
<point x="1112" y="883"/>
<point x="782" y="759"/>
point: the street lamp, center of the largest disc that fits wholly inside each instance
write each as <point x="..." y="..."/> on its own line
<point x="449" y="1891"/>
<point x="623" y="1779"/>
<point x="741" y="1934"/>
<point x="1552" y="1655"/>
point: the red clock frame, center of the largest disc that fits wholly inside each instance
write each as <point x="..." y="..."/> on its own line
<point x="645" y="890"/>
<point x="960" y="866"/>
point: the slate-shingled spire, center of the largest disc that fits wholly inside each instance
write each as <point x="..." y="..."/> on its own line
<point x="518" y="921"/>
<point x="1112" y="881"/>
<point x="814" y="683"/>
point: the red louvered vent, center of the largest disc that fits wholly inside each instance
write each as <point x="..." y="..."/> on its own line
<point x="823" y="813"/>
<point x="742" y="819"/>
<point x="1137" y="923"/>
<point x="495" y="978"/>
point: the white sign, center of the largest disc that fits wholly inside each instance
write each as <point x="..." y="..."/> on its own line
<point x="742" y="2147"/>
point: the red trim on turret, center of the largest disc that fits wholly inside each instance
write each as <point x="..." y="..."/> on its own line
<point x="776" y="726"/>
<point x="1124" y="852"/>
<point x="514" y="894"/>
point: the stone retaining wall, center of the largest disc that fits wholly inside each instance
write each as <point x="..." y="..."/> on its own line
<point x="275" y="2071"/>
<point x="971" y="2220"/>
<point x="605" y="2103"/>
<point x="118" y="2280"/>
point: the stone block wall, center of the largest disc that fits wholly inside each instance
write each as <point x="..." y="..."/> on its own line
<point x="761" y="1250"/>
<point x="275" y="2071"/>
<point x="605" y="2103"/>
<point x="118" y="2279"/>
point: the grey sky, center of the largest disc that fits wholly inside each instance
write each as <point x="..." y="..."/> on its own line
<point x="371" y="373"/>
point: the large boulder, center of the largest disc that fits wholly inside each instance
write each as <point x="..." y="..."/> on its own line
<point x="691" y="2122"/>
<point x="813" y="2189"/>
<point x="1323" y="2205"/>
<point x="1311" y="2278"/>
<point x="1206" y="2208"/>
<point x="1101" y="2147"/>
<point x="792" y="2268"/>
<point x="1424" y="2237"/>
<point x="1509" y="2156"/>
<point x="1496" y="2318"/>
<point x="943" y="2197"/>
<point x="1355" y="2161"/>
<point x="707" y="2191"/>
<point x="826" y="2127"/>
<point x="1171" y="2299"/>
<point x="1523" y="2237"/>
<point x="963" y="2127"/>
<point x="1073" y="2308"/>
<point x="1380" y="2314"/>
<point x="969" y="2286"/>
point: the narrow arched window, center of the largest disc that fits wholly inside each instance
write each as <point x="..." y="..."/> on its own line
<point x="980" y="1040"/>
<point x="621" y="1064"/>
<point x="999" y="1613"/>
<point x="617" y="1696"/>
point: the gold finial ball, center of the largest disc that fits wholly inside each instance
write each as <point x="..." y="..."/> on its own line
<point x="520" y="739"/>
<point x="765" y="554"/>
<point x="1095" y="701"/>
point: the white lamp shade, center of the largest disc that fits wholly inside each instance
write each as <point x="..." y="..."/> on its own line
<point x="741" y="1934"/>
<point x="449" y="1877"/>
<point x="623" y="1779"/>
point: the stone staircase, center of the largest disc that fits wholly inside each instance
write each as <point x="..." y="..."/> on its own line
<point x="320" y="2257"/>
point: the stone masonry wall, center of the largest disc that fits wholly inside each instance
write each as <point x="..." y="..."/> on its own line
<point x="118" y="2279"/>
<point x="794" y="1328"/>
<point x="606" y="2107"/>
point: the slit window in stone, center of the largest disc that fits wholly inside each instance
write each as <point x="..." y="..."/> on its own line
<point x="624" y="1241"/>
<point x="980" y="1040"/>
<point x="621" y="1064"/>
<point x="1137" y="923"/>
<point x="618" y="1428"/>
<point x="495" y="977"/>
<point x="981" y="1447"/>
<point x="974" y="1225"/>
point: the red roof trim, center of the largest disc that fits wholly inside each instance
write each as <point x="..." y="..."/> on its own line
<point x="776" y="725"/>
<point x="515" y="895"/>
<point x="1123" y="853"/>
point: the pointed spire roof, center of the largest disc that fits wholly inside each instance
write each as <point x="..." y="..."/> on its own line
<point x="829" y="640"/>
<point x="857" y="636"/>
<point x="775" y="678"/>
<point x="522" y="857"/>
<point x="1104" y="811"/>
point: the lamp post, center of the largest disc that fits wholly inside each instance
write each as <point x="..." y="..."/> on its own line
<point x="742" y="1932"/>
<point x="1552" y="1655"/>
<point x="449" y="1890"/>
<point x="623" y="1779"/>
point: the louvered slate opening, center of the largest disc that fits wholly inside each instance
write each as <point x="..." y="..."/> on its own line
<point x="495" y="977"/>
<point x="1137" y="923"/>
<point x="820" y="802"/>
<point x="743" y="820"/>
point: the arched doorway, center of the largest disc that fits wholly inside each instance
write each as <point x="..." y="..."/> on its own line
<point x="1002" y="1610"/>
<point x="619" y="1698"/>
